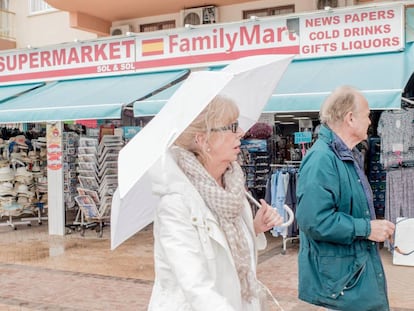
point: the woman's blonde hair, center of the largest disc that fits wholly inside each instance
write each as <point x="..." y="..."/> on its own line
<point x="341" y="101"/>
<point x="221" y="111"/>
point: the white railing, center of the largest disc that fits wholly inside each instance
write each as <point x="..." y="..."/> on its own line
<point x="7" y="22"/>
<point x="39" y="6"/>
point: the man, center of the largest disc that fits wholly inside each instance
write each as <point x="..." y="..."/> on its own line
<point x="339" y="262"/>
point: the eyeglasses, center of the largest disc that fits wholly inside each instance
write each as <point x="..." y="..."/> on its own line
<point x="232" y="127"/>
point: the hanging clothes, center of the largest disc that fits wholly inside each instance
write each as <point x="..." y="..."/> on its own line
<point x="281" y="189"/>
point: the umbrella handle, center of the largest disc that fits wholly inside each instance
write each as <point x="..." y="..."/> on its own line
<point x="289" y="211"/>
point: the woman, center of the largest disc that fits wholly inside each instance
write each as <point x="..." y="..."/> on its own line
<point x="206" y="239"/>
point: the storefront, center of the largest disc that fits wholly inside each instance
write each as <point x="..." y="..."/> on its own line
<point x="367" y="47"/>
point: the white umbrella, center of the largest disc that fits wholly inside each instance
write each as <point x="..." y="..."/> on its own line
<point x="249" y="81"/>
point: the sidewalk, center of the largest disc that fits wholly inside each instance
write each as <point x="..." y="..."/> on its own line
<point x="42" y="272"/>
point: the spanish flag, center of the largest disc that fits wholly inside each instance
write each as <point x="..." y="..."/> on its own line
<point x="152" y="47"/>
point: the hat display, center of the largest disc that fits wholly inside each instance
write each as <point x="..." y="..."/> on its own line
<point x="22" y="171"/>
<point x="40" y="142"/>
<point x="11" y="209"/>
<point x="6" y="189"/>
<point x="21" y="141"/>
<point x="42" y="184"/>
<point x="33" y="155"/>
<point x="6" y="174"/>
<point x="23" y="176"/>
<point x="18" y="172"/>
<point x="23" y="190"/>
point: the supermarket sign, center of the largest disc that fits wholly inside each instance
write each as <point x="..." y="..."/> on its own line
<point x="323" y="34"/>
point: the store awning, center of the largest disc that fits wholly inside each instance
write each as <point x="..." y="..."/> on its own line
<point x="10" y="91"/>
<point x="153" y="104"/>
<point x="95" y="98"/>
<point x="306" y="83"/>
<point x="380" y="77"/>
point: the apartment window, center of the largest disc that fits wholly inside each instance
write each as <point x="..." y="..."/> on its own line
<point x="39" y="6"/>
<point x="4" y="5"/>
<point x="157" y="26"/>
<point x="279" y="10"/>
<point x="324" y="3"/>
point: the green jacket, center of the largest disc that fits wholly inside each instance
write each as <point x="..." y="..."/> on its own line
<point x="339" y="268"/>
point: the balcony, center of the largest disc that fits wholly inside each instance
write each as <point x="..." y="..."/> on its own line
<point x="7" y="30"/>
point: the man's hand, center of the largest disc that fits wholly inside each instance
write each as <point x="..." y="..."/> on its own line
<point x="381" y="230"/>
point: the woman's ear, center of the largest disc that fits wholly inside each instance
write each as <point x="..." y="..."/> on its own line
<point x="200" y="139"/>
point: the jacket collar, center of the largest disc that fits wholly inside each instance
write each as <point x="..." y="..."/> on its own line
<point x="338" y="146"/>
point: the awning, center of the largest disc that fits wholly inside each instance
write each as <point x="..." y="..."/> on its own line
<point x="153" y="104"/>
<point x="96" y="98"/>
<point x="306" y="83"/>
<point x="9" y="91"/>
<point x="380" y="77"/>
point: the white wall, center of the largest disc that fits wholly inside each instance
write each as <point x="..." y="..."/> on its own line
<point x="43" y="29"/>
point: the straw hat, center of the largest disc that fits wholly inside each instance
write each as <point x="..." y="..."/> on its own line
<point x="33" y="155"/>
<point x="6" y="173"/>
<point x="23" y="190"/>
<point x="6" y="188"/>
<point x="23" y="176"/>
<point x="41" y="142"/>
<point x="36" y="167"/>
<point x="21" y="141"/>
<point x="22" y="171"/>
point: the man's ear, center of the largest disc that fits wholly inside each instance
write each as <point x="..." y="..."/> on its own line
<point x="349" y="119"/>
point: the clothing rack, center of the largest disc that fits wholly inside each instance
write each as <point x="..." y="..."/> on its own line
<point x="286" y="165"/>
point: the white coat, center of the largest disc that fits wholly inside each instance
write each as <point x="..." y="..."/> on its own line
<point x="194" y="268"/>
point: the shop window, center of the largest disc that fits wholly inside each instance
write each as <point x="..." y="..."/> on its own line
<point x="279" y="10"/>
<point x="157" y="26"/>
<point x="39" y="6"/>
<point x="324" y="3"/>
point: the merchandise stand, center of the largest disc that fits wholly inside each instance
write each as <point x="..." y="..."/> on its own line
<point x="22" y="177"/>
<point x="98" y="180"/>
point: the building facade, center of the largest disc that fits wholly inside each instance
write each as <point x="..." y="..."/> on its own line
<point x="35" y="23"/>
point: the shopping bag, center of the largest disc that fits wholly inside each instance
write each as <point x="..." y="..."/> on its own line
<point x="403" y="248"/>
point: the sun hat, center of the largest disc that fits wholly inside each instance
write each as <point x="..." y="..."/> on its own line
<point x="6" y="173"/>
<point x="22" y="171"/>
<point x="23" y="190"/>
<point x="6" y="188"/>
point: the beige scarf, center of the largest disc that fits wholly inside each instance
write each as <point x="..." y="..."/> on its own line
<point x="226" y="205"/>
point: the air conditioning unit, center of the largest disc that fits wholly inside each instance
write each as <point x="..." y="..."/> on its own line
<point x="120" y="30"/>
<point x="199" y="16"/>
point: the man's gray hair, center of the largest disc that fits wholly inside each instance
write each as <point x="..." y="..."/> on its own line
<point x="341" y="101"/>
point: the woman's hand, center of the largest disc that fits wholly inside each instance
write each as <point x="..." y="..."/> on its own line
<point x="266" y="218"/>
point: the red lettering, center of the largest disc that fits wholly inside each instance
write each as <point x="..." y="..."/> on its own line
<point x="322" y="21"/>
<point x="114" y="50"/>
<point x="45" y="59"/>
<point x="172" y="43"/>
<point x="100" y="52"/>
<point x="368" y="16"/>
<point x="73" y="56"/>
<point x="86" y="53"/>
<point x="129" y="47"/>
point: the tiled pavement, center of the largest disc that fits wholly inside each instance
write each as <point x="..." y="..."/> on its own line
<point x="42" y="272"/>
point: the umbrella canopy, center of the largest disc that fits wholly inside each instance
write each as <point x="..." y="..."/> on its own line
<point x="248" y="81"/>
